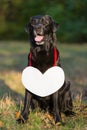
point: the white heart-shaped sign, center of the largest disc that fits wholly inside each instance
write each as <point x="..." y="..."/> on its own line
<point x="43" y="84"/>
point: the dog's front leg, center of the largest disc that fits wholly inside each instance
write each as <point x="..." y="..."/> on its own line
<point x="56" y="107"/>
<point x="24" y="114"/>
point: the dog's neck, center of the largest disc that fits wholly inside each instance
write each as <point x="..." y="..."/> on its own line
<point x="55" y="55"/>
<point x="43" y="48"/>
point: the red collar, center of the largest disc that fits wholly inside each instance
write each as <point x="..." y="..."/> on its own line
<point x="56" y="57"/>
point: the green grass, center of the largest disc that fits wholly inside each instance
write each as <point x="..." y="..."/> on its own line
<point x="13" y="59"/>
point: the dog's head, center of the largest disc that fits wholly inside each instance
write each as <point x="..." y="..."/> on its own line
<point x="41" y="29"/>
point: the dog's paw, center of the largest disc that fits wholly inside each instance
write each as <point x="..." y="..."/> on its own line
<point x="22" y="119"/>
<point x="58" y="121"/>
<point x="69" y="113"/>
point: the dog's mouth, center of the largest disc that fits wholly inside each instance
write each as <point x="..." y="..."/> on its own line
<point x="39" y="39"/>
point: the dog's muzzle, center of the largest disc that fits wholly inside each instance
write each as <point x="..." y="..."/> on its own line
<point x="39" y="39"/>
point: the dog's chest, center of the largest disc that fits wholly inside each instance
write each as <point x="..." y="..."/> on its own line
<point x="43" y="60"/>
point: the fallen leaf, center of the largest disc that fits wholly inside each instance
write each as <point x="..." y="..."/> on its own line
<point x="50" y="117"/>
<point x="17" y="115"/>
<point x="8" y="101"/>
<point x="1" y="124"/>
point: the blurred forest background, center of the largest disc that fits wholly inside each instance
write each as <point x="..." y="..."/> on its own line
<point x="70" y="14"/>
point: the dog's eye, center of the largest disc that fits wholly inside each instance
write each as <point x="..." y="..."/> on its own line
<point x="44" y="22"/>
<point x="33" y="22"/>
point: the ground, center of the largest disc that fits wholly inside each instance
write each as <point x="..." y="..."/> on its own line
<point x="13" y="59"/>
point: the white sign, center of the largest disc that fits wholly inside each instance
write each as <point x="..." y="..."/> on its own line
<point x="43" y="84"/>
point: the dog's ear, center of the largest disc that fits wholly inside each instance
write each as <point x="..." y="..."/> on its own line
<point x="26" y="28"/>
<point x="55" y="26"/>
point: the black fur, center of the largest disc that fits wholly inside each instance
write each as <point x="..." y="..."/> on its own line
<point x="42" y="58"/>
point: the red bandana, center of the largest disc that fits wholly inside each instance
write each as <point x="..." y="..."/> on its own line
<point x="56" y="57"/>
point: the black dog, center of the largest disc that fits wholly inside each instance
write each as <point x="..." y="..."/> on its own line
<point x="42" y="30"/>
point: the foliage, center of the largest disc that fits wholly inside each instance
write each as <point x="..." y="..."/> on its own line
<point x="71" y="16"/>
